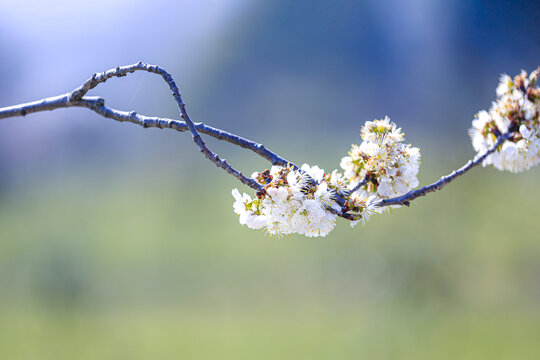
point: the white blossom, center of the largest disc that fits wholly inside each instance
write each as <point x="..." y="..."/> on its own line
<point x="315" y="172"/>
<point x="505" y="84"/>
<point x="365" y="205"/>
<point x="242" y="206"/>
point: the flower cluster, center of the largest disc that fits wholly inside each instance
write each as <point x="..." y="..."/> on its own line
<point x="516" y="110"/>
<point x="292" y="200"/>
<point x="307" y="201"/>
<point x="388" y="166"/>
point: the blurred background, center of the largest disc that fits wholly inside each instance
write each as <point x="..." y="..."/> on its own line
<point x="120" y="242"/>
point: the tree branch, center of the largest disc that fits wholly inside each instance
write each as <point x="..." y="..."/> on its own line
<point x="443" y="181"/>
<point x="362" y="182"/>
<point x="77" y="98"/>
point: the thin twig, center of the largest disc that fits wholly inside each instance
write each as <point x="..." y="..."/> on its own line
<point x="362" y="182"/>
<point x="120" y="71"/>
<point x="344" y="214"/>
<point x="443" y="181"/>
<point x="97" y="104"/>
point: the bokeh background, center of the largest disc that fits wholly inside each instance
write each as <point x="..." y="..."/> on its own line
<point x="120" y="242"/>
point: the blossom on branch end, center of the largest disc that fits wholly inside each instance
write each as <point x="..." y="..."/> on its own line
<point x="516" y="111"/>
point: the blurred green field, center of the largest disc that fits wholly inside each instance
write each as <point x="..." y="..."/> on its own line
<point x="150" y="264"/>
